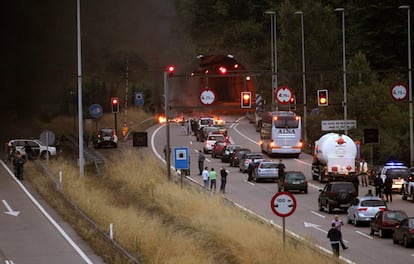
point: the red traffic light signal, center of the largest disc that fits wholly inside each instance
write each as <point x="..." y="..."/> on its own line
<point x="292" y="103"/>
<point x="246" y="100"/>
<point x="115" y="104"/>
<point x="222" y="70"/>
<point x="171" y="70"/>
<point x="323" y="97"/>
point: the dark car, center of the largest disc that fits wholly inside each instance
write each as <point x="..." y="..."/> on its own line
<point x="106" y="137"/>
<point x="385" y="221"/>
<point x="404" y="232"/>
<point x="218" y="148"/>
<point x="295" y="181"/>
<point x="228" y="152"/>
<point x="249" y="157"/>
<point x="202" y="133"/>
<point x="336" y="195"/>
<point x="237" y="156"/>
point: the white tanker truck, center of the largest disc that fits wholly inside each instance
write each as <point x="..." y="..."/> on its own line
<point x="334" y="158"/>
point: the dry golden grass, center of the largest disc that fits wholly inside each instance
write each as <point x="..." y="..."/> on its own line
<point x="157" y="221"/>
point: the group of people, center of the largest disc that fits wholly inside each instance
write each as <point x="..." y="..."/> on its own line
<point x="211" y="176"/>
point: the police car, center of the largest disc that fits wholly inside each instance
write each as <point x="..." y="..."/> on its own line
<point x="397" y="171"/>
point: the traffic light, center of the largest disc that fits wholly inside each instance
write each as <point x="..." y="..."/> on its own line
<point x="171" y="70"/>
<point x="292" y="103"/>
<point x="222" y="70"/>
<point x="323" y="97"/>
<point x="115" y="104"/>
<point x="246" y="100"/>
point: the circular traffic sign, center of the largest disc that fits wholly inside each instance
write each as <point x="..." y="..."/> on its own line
<point x="95" y="110"/>
<point x="207" y="96"/>
<point x="399" y="92"/>
<point x="47" y="137"/>
<point x="283" y="94"/>
<point x="283" y="204"/>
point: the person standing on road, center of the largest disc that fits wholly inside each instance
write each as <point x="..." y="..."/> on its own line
<point x="388" y="188"/>
<point x="355" y="182"/>
<point x="379" y="184"/>
<point x="334" y="235"/>
<point x="201" y="159"/>
<point x="206" y="177"/>
<point x="18" y="163"/>
<point x="364" y="170"/>
<point x="223" y="173"/>
<point x="250" y="170"/>
<point x="281" y="175"/>
<point x="29" y="151"/>
<point x="338" y="224"/>
<point x="213" y="180"/>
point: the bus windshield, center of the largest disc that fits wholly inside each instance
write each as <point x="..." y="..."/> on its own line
<point x="286" y="122"/>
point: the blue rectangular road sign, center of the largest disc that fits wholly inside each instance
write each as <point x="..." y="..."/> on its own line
<point x="139" y="98"/>
<point x="181" y="158"/>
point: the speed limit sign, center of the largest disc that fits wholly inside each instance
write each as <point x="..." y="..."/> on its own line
<point x="283" y="204"/>
<point x="399" y="92"/>
<point x="283" y="94"/>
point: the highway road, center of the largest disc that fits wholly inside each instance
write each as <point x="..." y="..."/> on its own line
<point x="30" y="232"/>
<point x="307" y="221"/>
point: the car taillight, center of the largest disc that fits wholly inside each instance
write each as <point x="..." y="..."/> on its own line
<point x="362" y="209"/>
<point x="411" y="230"/>
<point x="99" y="135"/>
<point x="382" y="209"/>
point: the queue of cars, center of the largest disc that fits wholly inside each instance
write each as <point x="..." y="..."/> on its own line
<point x="338" y="195"/>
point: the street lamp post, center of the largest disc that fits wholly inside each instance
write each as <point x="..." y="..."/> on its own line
<point x="342" y="10"/>
<point x="303" y="74"/>
<point x="273" y="54"/>
<point x="80" y="115"/>
<point x="410" y="90"/>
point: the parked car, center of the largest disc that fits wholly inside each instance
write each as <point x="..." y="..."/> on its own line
<point x="404" y="232"/>
<point x="364" y="209"/>
<point x="407" y="190"/>
<point x="237" y="156"/>
<point x="295" y="181"/>
<point x="106" y="137"/>
<point x="39" y="149"/>
<point x="336" y="195"/>
<point x="265" y="169"/>
<point x="385" y="221"/>
<point x="218" y="148"/>
<point x="211" y="140"/>
<point x="228" y="152"/>
<point x="247" y="158"/>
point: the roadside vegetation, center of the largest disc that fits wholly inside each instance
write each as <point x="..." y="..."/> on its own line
<point x="157" y="221"/>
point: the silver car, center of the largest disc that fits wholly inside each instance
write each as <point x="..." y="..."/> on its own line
<point x="364" y="208"/>
<point x="266" y="169"/>
<point x="247" y="158"/>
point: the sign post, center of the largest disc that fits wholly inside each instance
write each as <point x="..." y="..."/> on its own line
<point x="283" y="204"/>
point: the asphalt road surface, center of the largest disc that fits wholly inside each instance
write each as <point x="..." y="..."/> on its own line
<point x="30" y="232"/>
<point x="307" y="221"/>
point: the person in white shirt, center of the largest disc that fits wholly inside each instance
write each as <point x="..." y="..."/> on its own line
<point x="206" y="176"/>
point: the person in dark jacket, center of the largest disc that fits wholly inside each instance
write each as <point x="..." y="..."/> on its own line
<point x="223" y="173"/>
<point x="250" y="170"/>
<point x="201" y="159"/>
<point x="281" y="175"/>
<point x="334" y="235"/>
<point x="18" y="163"/>
<point x="379" y="185"/>
<point x="388" y="188"/>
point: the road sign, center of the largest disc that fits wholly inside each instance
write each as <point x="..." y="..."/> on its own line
<point x="283" y="94"/>
<point x="399" y="92"/>
<point x="181" y="158"/>
<point x="331" y="125"/>
<point x="140" y="139"/>
<point x="139" y="98"/>
<point x="207" y="96"/>
<point x="283" y="204"/>
<point x="47" y="137"/>
<point x="95" y="111"/>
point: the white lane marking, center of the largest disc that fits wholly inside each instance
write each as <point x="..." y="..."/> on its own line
<point x="365" y="235"/>
<point x="10" y="211"/>
<point x="251" y="183"/>
<point x="318" y="214"/>
<point x="51" y="220"/>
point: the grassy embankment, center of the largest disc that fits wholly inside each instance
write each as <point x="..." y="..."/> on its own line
<point x="158" y="222"/>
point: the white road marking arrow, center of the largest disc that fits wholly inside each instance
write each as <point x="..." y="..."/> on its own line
<point x="317" y="227"/>
<point x="10" y="210"/>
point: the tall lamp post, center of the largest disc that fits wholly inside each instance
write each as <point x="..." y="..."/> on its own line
<point x="342" y="10"/>
<point x="80" y="115"/>
<point x="410" y="89"/>
<point x="303" y="74"/>
<point x="273" y="54"/>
